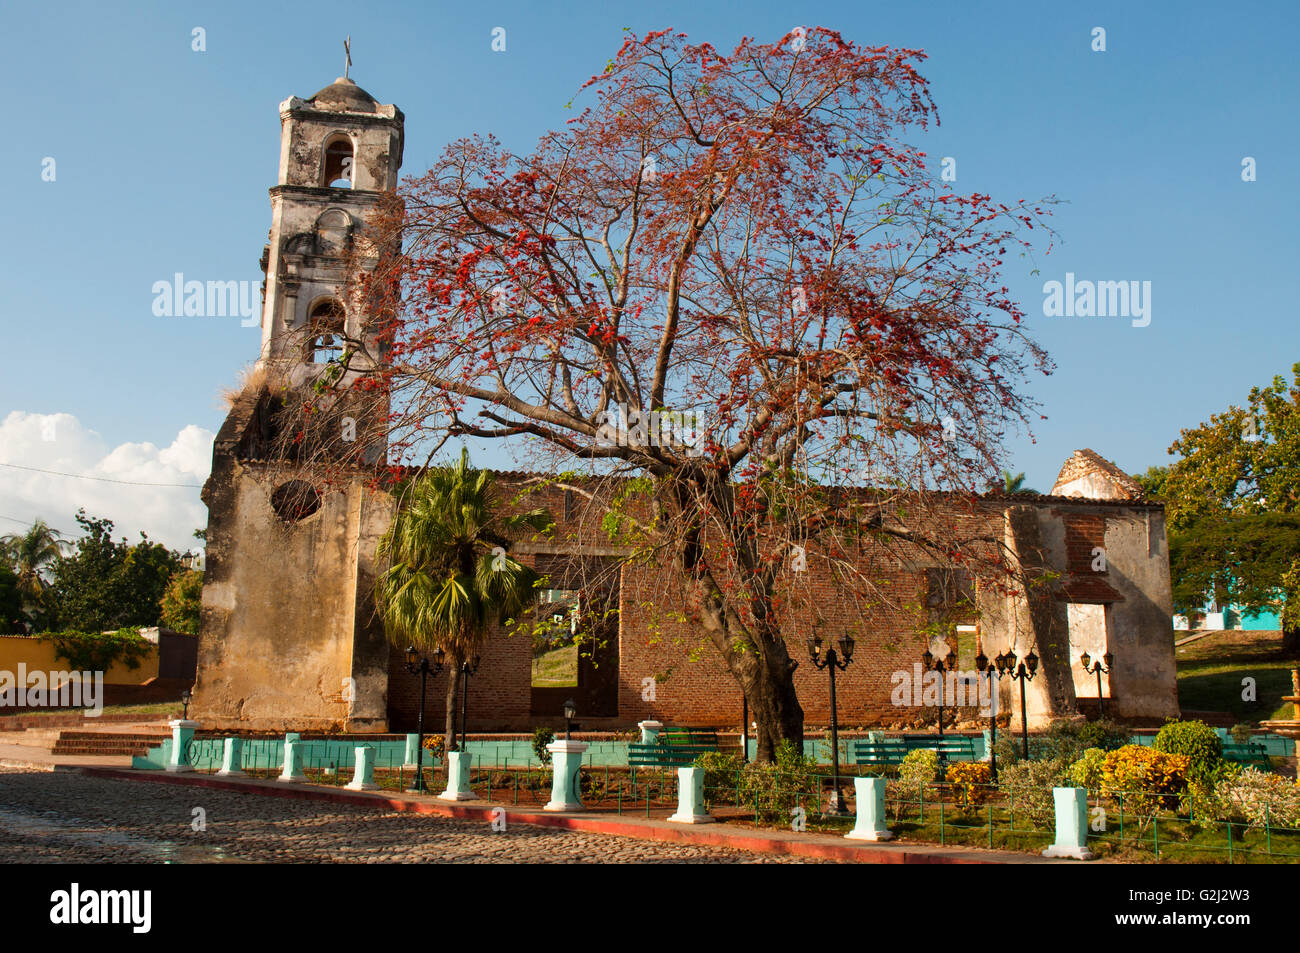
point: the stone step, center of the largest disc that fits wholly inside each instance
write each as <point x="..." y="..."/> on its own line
<point x="103" y="752"/>
<point x="118" y="743"/>
<point x="127" y="743"/>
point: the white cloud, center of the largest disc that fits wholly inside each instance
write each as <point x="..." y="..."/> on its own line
<point x="60" y="442"/>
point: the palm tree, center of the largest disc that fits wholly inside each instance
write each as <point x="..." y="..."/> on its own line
<point x="1015" y="485"/>
<point x="28" y="554"/>
<point x="447" y="569"/>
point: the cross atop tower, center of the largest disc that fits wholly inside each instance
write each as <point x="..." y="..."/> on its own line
<point x="347" y="56"/>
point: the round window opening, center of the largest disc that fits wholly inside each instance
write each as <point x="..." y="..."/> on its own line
<point x="295" y="500"/>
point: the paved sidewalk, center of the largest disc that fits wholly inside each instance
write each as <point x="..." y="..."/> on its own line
<point x="787" y="843"/>
<point x="33" y="756"/>
<point x="31" y="747"/>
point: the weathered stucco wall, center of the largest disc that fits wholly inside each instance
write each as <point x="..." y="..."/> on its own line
<point x="288" y="636"/>
<point x="1141" y="627"/>
<point x="1111" y="556"/>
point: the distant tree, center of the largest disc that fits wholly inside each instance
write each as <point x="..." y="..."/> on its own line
<point x="1244" y="460"/>
<point x="1238" y="559"/>
<point x="11" y="603"/>
<point x="102" y="584"/>
<point x="1016" y="484"/>
<point x="30" y="555"/>
<point x="1233" y="505"/>
<point x="1153" y="482"/>
<point x="182" y="601"/>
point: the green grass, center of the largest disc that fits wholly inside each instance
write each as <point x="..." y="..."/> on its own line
<point x="557" y="668"/>
<point x="157" y="708"/>
<point x="1211" y="670"/>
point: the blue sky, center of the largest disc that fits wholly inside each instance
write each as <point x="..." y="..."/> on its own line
<point x="164" y="155"/>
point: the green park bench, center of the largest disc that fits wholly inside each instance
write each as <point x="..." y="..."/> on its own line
<point x="891" y="751"/>
<point x="1252" y="753"/>
<point x="675" y="748"/>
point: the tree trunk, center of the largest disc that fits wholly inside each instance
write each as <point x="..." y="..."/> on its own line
<point x="763" y="668"/>
<point x="755" y="653"/>
<point x="774" y="705"/>
<point x="453" y="682"/>
<point x="766" y="677"/>
<point x="1291" y="641"/>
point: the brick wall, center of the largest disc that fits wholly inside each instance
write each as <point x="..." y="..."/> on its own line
<point x="658" y="639"/>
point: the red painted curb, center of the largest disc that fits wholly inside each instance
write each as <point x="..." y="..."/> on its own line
<point x="622" y="827"/>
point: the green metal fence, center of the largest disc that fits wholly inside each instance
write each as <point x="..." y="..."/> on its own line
<point x="1128" y="825"/>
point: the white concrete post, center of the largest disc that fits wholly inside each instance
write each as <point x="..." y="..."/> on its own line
<point x="231" y="757"/>
<point x="690" y="797"/>
<point x="566" y="765"/>
<point x="1071" y="824"/>
<point x="182" y="735"/>
<point x="650" y="731"/>
<point x="870" y="824"/>
<point x="292" y="770"/>
<point x="458" y="789"/>
<point x="363" y="775"/>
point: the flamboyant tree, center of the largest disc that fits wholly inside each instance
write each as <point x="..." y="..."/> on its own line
<point x="731" y="277"/>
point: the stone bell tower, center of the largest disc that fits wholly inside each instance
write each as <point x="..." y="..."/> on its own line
<point x="289" y="638"/>
<point x="340" y="151"/>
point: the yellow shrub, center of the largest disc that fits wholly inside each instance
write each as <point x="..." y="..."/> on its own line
<point x="1146" y="779"/>
<point x="970" y="779"/>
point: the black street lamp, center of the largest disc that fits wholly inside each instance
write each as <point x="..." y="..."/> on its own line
<point x="983" y="667"/>
<point x="933" y="664"/>
<point x="832" y="661"/>
<point x="417" y="664"/>
<point x="570" y="713"/>
<point x="186" y="696"/>
<point x="1098" y="668"/>
<point x="1021" y="672"/>
<point x="468" y="668"/>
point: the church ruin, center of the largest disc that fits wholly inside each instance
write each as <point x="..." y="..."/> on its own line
<point x="290" y="639"/>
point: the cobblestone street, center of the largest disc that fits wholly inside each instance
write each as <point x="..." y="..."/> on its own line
<point x="58" y="817"/>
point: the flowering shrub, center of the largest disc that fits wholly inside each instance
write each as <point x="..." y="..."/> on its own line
<point x="1146" y="779"/>
<point x="970" y="779"/>
<point x="1087" y="771"/>
<point x="1257" y="796"/>
<point x="919" y="768"/>
<point x="1198" y="741"/>
<point x="434" y="744"/>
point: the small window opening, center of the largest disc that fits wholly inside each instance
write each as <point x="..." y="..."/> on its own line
<point x="295" y="500"/>
<point x="325" y="329"/>
<point x="339" y="164"/>
<point x="556" y="638"/>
